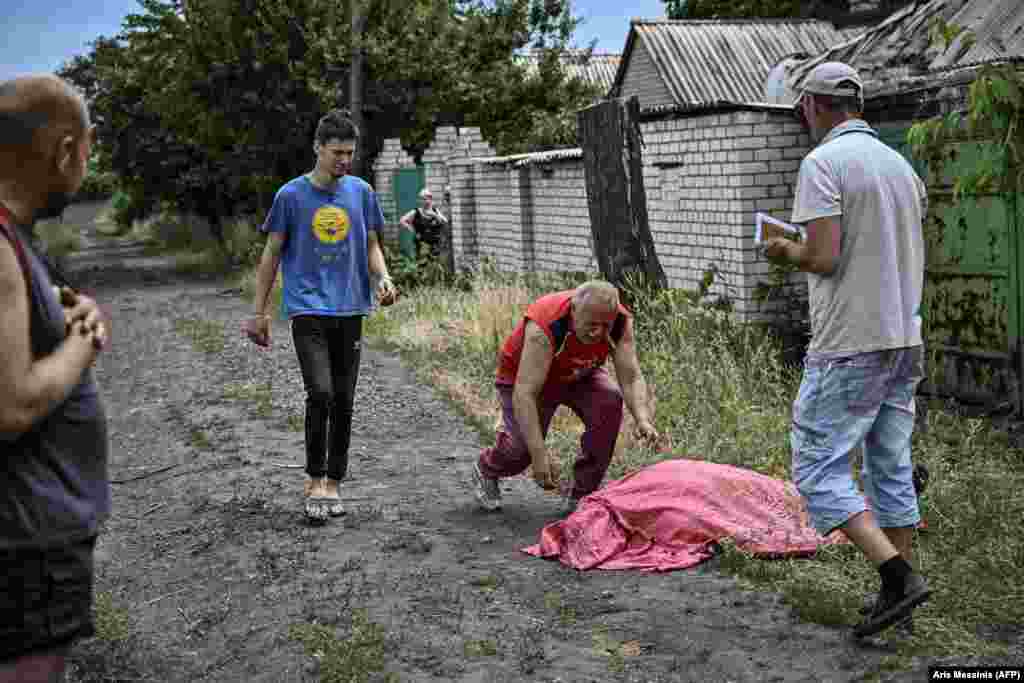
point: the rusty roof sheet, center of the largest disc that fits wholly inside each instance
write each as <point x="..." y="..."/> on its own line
<point x="715" y="60"/>
<point x="900" y="50"/>
<point x="598" y="70"/>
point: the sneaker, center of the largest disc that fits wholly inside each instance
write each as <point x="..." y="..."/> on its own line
<point x="904" y="628"/>
<point x="486" y="490"/>
<point x="889" y="610"/>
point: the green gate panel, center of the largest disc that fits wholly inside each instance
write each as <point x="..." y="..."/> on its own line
<point x="972" y="298"/>
<point x="406" y="186"/>
<point x="973" y="288"/>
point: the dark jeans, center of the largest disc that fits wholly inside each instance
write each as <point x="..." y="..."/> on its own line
<point x="45" y="598"/>
<point x="328" y="348"/>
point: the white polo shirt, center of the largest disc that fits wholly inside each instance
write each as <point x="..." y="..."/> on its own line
<point x="872" y="301"/>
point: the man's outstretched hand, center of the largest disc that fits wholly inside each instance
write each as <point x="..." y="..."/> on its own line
<point x="546" y="473"/>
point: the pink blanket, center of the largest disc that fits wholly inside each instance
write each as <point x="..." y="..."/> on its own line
<point x="669" y="515"/>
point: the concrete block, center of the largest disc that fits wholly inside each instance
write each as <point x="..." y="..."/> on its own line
<point x="768" y="154"/>
<point x="789" y="166"/>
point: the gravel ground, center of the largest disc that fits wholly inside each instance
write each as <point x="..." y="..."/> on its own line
<point x="209" y="560"/>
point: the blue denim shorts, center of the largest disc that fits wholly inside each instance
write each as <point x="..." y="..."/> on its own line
<point x="869" y="398"/>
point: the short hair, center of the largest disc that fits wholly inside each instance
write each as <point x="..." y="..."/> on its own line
<point x="426" y="191"/>
<point x="335" y="125"/>
<point x="597" y="292"/>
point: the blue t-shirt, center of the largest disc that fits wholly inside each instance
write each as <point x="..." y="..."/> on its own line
<point x="324" y="261"/>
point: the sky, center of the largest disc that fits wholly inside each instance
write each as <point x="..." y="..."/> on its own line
<point x="40" y="35"/>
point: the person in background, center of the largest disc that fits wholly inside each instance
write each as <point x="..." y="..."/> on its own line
<point x="427" y="223"/>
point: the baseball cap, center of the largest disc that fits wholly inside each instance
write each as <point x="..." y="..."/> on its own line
<point x="832" y="78"/>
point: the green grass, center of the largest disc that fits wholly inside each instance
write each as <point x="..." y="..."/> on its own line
<point x="60" y="238"/>
<point x="257" y="394"/>
<point x="353" y="659"/>
<point x="723" y="395"/>
<point x="206" y="336"/>
<point x="479" y="648"/>
<point x="111" y="621"/>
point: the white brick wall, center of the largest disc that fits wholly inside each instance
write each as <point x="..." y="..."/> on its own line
<point x="561" y="218"/>
<point x="705" y="177"/>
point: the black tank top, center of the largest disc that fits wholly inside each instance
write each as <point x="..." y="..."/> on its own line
<point x="55" y="486"/>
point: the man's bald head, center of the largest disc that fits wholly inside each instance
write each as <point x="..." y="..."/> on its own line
<point x="35" y="111"/>
<point x="45" y="142"/>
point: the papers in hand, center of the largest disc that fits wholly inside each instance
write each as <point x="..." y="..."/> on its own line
<point x="768" y="227"/>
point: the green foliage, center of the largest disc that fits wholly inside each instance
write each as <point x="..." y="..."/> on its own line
<point x="59" y="238"/>
<point x="241" y="88"/>
<point x="409" y="274"/>
<point x="97" y="184"/>
<point x="351" y="660"/>
<point x="995" y="113"/>
<point x="111" y="622"/>
<point x="721" y="9"/>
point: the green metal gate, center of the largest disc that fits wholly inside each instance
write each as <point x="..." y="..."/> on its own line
<point x="972" y="305"/>
<point x="406" y="186"/>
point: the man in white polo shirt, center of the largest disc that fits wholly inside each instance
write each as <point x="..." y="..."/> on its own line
<point x="862" y="205"/>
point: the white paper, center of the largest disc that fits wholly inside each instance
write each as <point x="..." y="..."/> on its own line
<point x="763" y="218"/>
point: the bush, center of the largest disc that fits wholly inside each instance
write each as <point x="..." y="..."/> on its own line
<point x="173" y="231"/>
<point x="58" y="238"/>
<point x="130" y="206"/>
<point x="97" y="185"/>
<point x="243" y="241"/>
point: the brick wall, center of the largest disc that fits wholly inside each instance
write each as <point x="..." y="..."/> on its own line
<point x="561" y="218"/>
<point x="499" y="220"/>
<point x="705" y="176"/>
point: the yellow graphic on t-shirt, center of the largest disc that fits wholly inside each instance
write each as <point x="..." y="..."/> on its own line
<point x="331" y="224"/>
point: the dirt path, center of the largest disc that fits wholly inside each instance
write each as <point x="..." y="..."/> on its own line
<point x="213" y="562"/>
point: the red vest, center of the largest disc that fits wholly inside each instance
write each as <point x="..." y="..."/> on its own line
<point x="573" y="359"/>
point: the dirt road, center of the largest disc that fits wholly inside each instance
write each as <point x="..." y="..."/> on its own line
<point x="209" y="558"/>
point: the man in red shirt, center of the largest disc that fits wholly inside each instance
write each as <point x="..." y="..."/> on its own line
<point x="554" y="357"/>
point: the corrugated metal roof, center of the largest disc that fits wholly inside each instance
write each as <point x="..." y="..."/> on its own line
<point x="599" y="69"/>
<point x="518" y="160"/>
<point x="998" y="29"/>
<point x="901" y="49"/>
<point x="714" y="60"/>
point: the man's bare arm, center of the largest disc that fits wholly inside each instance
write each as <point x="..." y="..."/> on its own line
<point x="266" y="272"/>
<point x="631" y="378"/>
<point x="533" y="373"/>
<point x="819" y="255"/>
<point x="32" y="388"/>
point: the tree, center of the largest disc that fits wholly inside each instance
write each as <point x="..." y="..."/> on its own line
<point x="212" y="106"/>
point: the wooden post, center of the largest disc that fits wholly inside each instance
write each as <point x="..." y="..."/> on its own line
<point x="613" y="167"/>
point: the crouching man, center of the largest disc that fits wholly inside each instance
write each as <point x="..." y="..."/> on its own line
<point x="556" y="356"/>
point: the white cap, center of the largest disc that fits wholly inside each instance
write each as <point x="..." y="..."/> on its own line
<point x="832" y="78"/>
